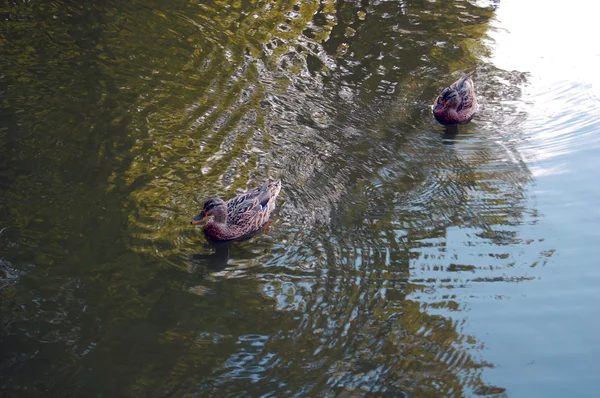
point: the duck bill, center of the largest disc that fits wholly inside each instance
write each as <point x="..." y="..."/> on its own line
<point x="197" y="220"/>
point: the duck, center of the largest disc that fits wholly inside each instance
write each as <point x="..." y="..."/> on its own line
<point x="456" y="104"/>
<point x="239" y="217"/>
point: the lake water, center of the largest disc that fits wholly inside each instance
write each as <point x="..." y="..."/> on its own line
<point x="402" y="260"/>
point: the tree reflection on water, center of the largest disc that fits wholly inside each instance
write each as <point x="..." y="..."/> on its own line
<point x="142" y="111"/>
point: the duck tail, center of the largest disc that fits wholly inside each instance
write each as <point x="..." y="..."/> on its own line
<point x="268" y="192"/>
<point x="274" y="188"/>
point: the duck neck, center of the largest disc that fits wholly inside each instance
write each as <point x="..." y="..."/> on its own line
<point x="452" y="116"/>
<point x="220" y="214"/>
<point x="218" y="229"/>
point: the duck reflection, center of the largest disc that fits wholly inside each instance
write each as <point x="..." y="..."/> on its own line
<point x="216" y="261"/>
<point x="449" y="134"/>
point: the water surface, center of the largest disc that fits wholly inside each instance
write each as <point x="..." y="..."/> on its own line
<point x="401" y="260"/>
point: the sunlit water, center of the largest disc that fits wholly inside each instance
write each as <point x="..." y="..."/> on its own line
<point x="402" y="260"/>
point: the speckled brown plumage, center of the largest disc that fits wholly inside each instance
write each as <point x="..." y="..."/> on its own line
<point x="456" y="104"/>
<point x="240" y="216"/>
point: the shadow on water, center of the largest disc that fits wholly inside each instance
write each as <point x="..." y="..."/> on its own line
<point x="119" y="120"/>
<point x="449" y="134"/>
<point x="216" y="261"/>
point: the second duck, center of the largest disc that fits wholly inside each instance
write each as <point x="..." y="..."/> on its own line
<point x="456" y="104"/>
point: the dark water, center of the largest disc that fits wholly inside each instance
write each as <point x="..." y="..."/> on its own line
<point x="401" y="260"/>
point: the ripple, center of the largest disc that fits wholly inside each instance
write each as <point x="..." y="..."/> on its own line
<point x="384" y="228"/>
<point x="560" y="124"/>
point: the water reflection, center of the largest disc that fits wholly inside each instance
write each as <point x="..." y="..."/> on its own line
<point x="216" y="261"/>
<point x="358" y="286"/>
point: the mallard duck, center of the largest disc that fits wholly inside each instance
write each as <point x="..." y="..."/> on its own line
<point x="456" y="104"/>
<point x="241" y="216"/>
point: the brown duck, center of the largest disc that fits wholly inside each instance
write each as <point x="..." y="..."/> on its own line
<point x="241" y="216"/>
<point x="456" y="104"/>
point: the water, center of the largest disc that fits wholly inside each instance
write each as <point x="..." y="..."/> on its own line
<point x="400" y="261"/>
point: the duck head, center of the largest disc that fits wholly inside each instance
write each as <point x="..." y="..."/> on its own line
<point x="213" y="207"/>
<point x="447" y="100"/>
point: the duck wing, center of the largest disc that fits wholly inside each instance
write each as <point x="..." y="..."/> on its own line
<point x="466" y="92"/>
<point x="244" y="207"/>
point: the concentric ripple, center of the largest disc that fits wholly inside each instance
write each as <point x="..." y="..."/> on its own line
<point x="121" y="119"/>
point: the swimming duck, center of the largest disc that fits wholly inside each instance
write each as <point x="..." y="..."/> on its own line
<point x="456" y="104"/>
<point x="240" y="216"/>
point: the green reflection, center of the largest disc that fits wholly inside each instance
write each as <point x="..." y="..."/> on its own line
<point x="119" y="119"/>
